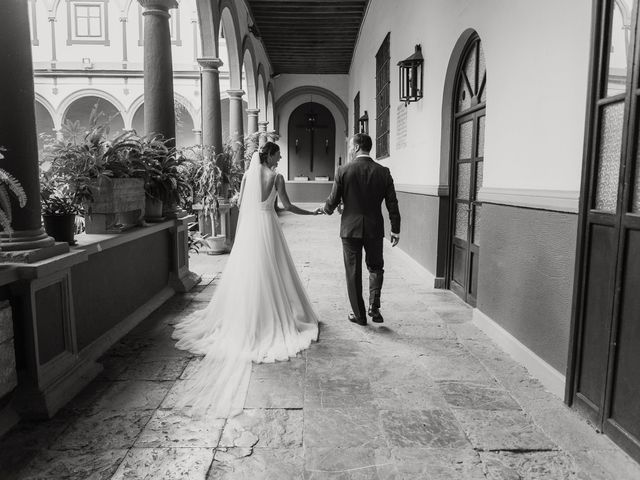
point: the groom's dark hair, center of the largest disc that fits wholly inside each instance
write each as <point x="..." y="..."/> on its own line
<point x="363" y="141"/>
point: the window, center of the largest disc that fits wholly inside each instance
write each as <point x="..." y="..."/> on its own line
<point x="383" y="79"/>
<point x="87" y="22"/>
<point x="356" y="114"/>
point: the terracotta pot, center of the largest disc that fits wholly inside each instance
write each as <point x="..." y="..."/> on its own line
<point x="61" y="227"/>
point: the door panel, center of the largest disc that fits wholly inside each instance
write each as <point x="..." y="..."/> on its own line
<point x="625" y="407"/>
<point x="595" y="339"/>
<point x="606" y="346"/>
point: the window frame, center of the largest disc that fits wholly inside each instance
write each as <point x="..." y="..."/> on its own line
<point x="383" y="98"/>
<point x="72" y="23"/>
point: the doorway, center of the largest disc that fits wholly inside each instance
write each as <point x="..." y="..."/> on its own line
<point x="466" y="170"/>
<point x="311" y="142"/>
<point x="604" y="356"/>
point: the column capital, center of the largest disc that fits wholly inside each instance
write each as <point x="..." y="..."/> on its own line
<point x="164" y="5"/>
<point x="235" y="93"/>
<point x="263" y="124"/>
<point x="210" y="63"/>
<point x="253" y="111"/>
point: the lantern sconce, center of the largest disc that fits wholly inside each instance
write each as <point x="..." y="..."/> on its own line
<point x="364" y="123"/>
<point x="411" y="77"/>
<point x="297" y="145"/>
<point x="326" y="145"/>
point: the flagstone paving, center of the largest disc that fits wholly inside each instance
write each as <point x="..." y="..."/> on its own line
<point x="425" y="395"/>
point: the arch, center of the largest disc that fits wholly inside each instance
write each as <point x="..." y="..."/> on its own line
<point x="311" y="144"/>
<point x="447" y="131"/>
<point x="79" y="112"/>
<point x="45" y="123"/>
<point x="270" y="110"/>
<point x="248" y="63"/>
<point x="135" y="115"/>
<point x="209" y="20"/>
<point x="229" y="22"/>
<point x="318" y="92"/>
<point x="46" y="104"/>
<point x="262" y="101"/>
<point x="90" y="92"/>
<point x="262" y="94"/>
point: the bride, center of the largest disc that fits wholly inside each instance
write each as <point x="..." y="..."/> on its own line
<point x="260" y="311"/>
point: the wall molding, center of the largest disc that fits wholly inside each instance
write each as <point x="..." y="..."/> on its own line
<point x="555" y="200"/>
<point x="552" y="379"/>
<point x="430" y="190"/>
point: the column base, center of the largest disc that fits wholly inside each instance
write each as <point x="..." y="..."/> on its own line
<point x="33" y="255"/>
<point x="25" y="240"/>
<point x="185" y="282"/>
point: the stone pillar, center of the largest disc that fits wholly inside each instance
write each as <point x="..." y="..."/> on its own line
<point x="263" y="132"/>
<point x="252" y="123"/>
<point x="159" y="113"/>
<point x="211" y="109"/>
<point x="236" y="127"/>
<point x="198" y="135"/>
<point x="18" y="127"/>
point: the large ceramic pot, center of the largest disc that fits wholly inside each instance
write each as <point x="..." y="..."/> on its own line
<point x="61" y="227"/>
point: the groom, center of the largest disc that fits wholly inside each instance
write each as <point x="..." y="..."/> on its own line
<point x="361" y="185"/>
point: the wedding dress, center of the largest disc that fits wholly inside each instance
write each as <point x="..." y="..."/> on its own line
<point x="259" y="312"/>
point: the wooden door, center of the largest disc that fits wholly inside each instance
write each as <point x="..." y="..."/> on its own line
<point x="605" y="356"/>
<point x="466" y="173"/>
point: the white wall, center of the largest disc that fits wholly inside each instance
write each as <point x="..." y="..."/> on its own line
<point x="537" y="66"/>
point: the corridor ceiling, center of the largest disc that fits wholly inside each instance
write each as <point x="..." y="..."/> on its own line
<point x="309" y="36"/>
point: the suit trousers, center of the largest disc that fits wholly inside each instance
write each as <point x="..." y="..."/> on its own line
<point x="352" y="252"/>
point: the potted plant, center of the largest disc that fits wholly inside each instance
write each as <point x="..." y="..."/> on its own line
<point x="104" y="175"/>
<point x="165" y="182"/>
<point x="8" y="183"/>
<point x="59" y="210"/>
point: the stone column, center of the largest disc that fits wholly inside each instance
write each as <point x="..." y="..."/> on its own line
<point x="198" y="135"/>
<point x="211" y="109"/>
<point x="236" y="127"/>
<point x="18" y="127"/>
<point x="252" y="123"/>
<point x="263" y="132"/>
<point x="159" y="113"/>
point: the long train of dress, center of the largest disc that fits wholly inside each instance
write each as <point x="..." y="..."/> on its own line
<point x="260" y="312"/>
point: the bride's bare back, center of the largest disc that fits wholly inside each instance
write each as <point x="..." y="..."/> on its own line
<point x="267" y="178"/>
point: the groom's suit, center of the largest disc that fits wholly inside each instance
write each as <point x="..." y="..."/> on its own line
<point x="362" y="185"/>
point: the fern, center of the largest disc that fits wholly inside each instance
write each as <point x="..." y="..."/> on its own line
<point x="8" y="183"/>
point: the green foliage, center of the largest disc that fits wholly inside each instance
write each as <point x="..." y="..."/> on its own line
<point x="252" y="141"/>
<point x="8" y="183"/>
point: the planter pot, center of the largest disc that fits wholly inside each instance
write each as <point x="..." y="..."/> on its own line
<point x="118" y="204"/>
<point x="153" y="210"/>
<point x="61" y="227"/>
<point x="217" y="245"/>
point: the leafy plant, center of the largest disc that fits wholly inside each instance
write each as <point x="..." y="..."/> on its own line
<point x="8" y="183"/>
<point x="165" y="178"/>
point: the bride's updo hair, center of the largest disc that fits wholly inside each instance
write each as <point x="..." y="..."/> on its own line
<point x="267" y="149"/>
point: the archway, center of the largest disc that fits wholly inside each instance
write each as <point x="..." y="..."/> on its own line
<point x="311" y="146"/>
<point x="44" y="126"/>
<point x="76" y="119"/>
<point x="466" y="160"/>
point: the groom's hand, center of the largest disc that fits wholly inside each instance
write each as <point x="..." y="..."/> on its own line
<point x="395" y="238"/>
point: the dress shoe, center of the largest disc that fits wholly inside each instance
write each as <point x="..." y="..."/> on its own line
<point x="352" y="318"/>
<point x="375" y="315"/>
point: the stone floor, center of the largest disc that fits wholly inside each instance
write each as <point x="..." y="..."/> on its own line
<point x="423" y="396"/>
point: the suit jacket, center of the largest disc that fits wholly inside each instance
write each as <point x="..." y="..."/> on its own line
<point x="362" y="185"/>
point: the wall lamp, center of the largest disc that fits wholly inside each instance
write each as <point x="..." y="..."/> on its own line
<point x="411" y="77"/>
